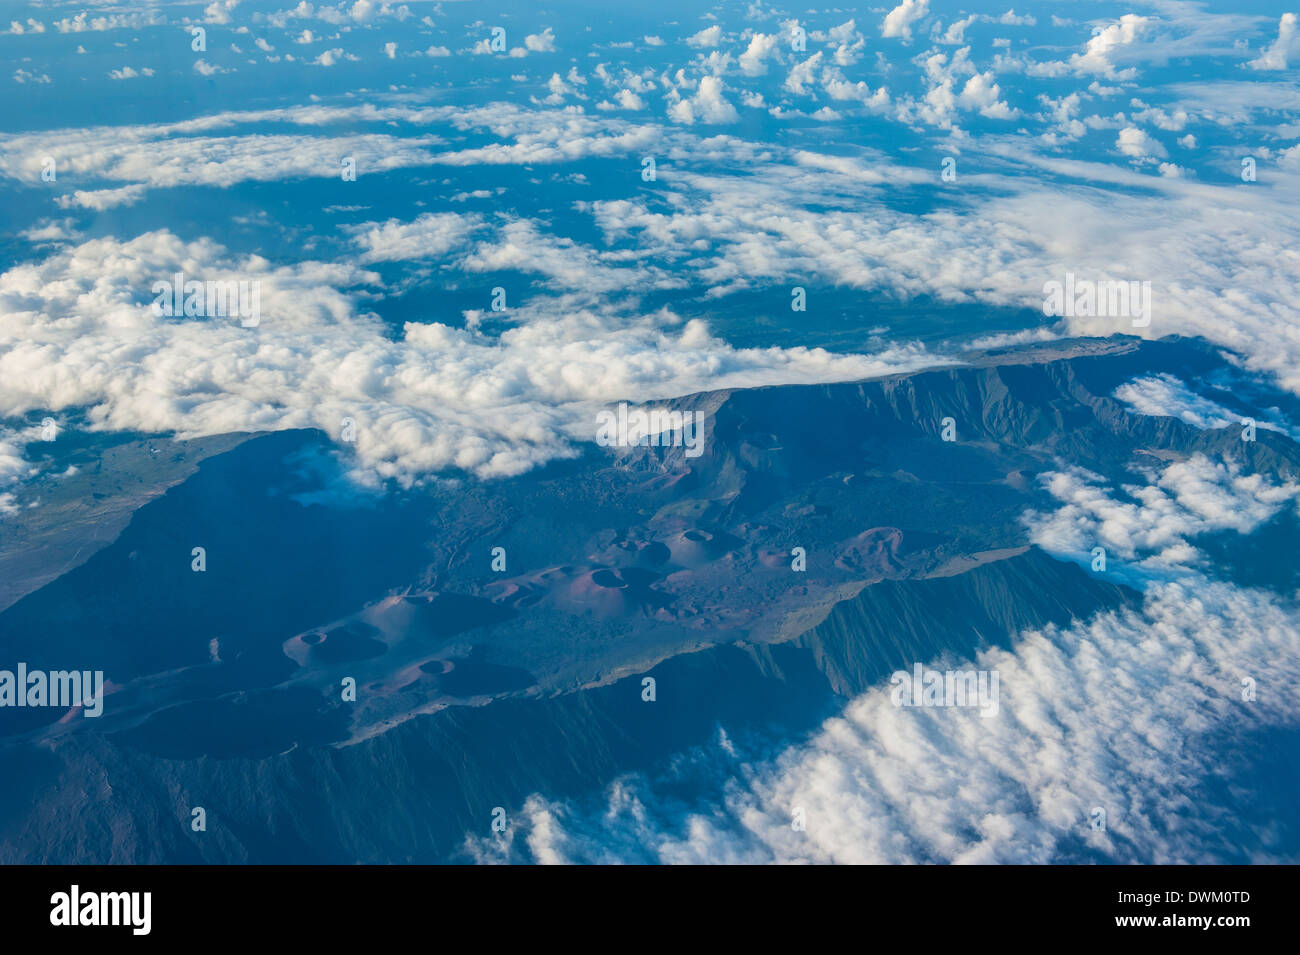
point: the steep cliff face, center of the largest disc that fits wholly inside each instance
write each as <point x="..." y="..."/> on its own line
<point x="892" y="624"/>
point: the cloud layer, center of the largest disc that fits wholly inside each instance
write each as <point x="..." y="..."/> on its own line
<point x="77" y="331"/>
<point x="1129" y="713"/>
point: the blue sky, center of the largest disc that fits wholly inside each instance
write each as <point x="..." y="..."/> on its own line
<point x="1101" y="139"/>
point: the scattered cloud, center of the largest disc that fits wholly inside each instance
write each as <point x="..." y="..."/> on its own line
<point x="708" y="105"/>
<point x="1283" y="50"/>
<point x="709" y="36"/>
<point x="900" y="20"/>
